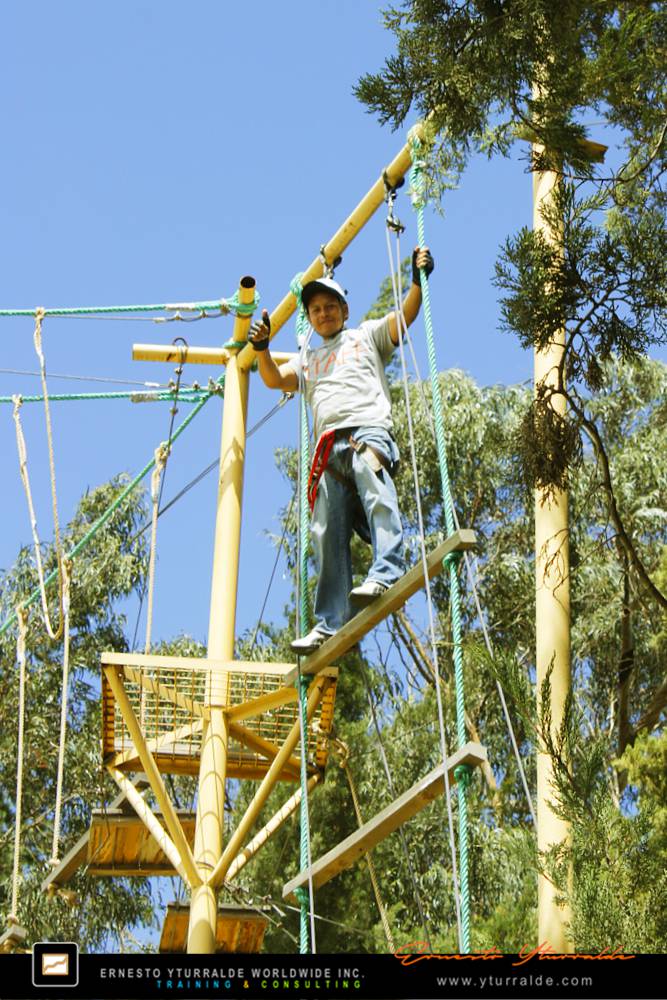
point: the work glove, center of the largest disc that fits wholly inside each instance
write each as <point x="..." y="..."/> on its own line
<point x="259" y="332"/>
<point x="421" y="261"/>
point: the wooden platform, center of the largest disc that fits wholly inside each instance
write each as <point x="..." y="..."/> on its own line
<point x="363" y="840"/>
<point x="169" y="696"/>
<point x="120" y="844"/>
<point x="13" y="940"/>
<point x="393" y="599"/>
<point x="237" y="930"/>
<point x="79" y="853"/>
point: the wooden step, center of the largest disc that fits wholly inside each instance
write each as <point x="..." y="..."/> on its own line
<point x="385" y="822"/>
<point x="13" y="940"/>
<point x="120" y="844"/>
<point x="77" y="855"/>
<point x="237" y="929"/>
<point x="393" y="598"/>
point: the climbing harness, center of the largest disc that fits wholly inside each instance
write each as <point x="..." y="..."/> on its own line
<point x="319" y="465"/>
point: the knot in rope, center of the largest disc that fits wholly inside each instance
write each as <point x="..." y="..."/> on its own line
<point x="452" y="559"/>
<point x="241" y="308"/>
<point x="342" y="751"/>
<point x="296" y="288"/>
<point x="463" y="775"/>
<point x="301" y="895"/>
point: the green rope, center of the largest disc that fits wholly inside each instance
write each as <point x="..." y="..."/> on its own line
<point x="304" y="615"/>
<point x="417" y="185"/>
<point x="101" y="521"/>
<point x="185" y="395"/>
<point x="223" y="305"/>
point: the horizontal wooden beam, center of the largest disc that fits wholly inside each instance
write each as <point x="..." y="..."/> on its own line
<point x="159" y="662"/>
<point x="394" y="598"/>
<point x="385" y="822"/>
<point x="194" y="355"/>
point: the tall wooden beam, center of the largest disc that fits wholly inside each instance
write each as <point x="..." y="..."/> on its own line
<point x="552" y="602"/>
<point x="221" y="633"/>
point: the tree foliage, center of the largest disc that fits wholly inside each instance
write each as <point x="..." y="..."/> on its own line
<point x="485" y="74"/>
<point x="107" y="571"/>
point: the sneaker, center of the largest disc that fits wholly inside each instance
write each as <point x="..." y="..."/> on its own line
<point x="309" y="643"/>
<point x="366" y="592"/>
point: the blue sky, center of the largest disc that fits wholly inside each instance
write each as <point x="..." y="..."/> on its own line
<point x="157" y="151"/>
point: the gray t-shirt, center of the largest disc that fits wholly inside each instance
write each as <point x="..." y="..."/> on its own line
<point x="344" y="379"/>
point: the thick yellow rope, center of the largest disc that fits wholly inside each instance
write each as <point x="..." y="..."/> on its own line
<point x="161" y="455"/>
<point x="67" y="579"/>
<point x="25" y="479"/>
<point x="22" y="617"/>
<point x="37" y="338"/>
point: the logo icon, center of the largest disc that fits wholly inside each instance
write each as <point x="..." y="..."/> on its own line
<point x="55" y="963"/>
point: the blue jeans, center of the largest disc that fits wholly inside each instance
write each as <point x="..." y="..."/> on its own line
<point x="333" y="522"/>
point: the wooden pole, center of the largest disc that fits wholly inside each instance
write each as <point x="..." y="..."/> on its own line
<point x="552" y="607"/>
<point x="222" y="621"/>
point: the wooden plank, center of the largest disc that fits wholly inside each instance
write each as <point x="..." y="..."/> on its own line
<point x="121" y="844"/>
<point x="237" y="929"/>
<point x="14" y="939"/>
<point x="385" y="822"/>
<point x="394" y="598"/>
<point x="77" y="855"/>
<point x="194" y="355"/>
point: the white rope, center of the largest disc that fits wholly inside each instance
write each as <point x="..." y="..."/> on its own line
<point x="67" y="571"/>
<point x="22" y="618"/>
<point x="401" y="326"/>
<point x="54" y="634"/>
<point x="161" y="453"/>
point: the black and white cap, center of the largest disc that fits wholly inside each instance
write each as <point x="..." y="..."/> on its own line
<point x="322" y="285"/>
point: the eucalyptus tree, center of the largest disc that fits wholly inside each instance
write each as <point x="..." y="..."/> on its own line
<point x="489" y="73"/>
<point x="98" y="913"/>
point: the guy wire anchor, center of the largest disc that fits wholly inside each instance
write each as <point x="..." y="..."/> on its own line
<point x="390" y="197"/>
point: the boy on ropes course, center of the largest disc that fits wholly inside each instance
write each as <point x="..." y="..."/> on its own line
<point x="350" y="486"/>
